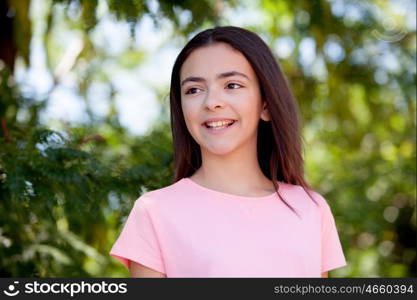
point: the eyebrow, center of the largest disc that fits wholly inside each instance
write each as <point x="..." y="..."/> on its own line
<point x="221" y="75"/>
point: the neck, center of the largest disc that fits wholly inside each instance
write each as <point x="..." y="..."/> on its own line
<point x="237" y="173"/>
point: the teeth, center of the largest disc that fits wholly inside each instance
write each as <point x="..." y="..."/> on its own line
<point x="219" y="123"/>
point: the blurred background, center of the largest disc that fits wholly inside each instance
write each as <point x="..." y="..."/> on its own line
<point x="84" y="114"/>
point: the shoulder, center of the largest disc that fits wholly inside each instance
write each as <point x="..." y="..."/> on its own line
<point x="163" y="196"/>
<point x="323" y="206"/>
<point x="305" y="197"/>
<point x="319" y="198"/>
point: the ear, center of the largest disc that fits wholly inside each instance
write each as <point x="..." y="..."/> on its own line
<point x="265" y="113"/>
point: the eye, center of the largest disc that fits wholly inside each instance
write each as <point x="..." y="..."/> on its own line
<point x="234" y="86"/>
<point x="191" y="91"/>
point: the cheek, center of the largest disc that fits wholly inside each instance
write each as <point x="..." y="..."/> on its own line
<point x="191" y="107"/>
<point x="251" y="108"/>
<point x="187" y="112"/>
<point x="190" y="116"/>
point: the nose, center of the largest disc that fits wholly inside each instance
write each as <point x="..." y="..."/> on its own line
<point x="213" y="99"/>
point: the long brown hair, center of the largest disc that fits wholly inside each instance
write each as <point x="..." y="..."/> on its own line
<point x="279" y="141"/>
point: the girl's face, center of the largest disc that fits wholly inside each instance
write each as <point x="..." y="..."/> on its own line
<point x="217" y="82"/>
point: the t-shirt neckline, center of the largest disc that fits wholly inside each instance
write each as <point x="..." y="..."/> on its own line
<point x="187" y="179"/>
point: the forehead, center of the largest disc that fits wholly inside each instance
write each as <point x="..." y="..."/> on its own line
<point x="216" y="58"/>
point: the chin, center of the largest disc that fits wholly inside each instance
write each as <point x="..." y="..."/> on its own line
<point x="220" y="150"/>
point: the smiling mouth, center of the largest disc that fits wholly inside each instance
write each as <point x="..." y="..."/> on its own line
<point x="219" y="126"/>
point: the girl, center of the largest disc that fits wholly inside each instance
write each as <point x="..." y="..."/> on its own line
<point x="239" y="205"/>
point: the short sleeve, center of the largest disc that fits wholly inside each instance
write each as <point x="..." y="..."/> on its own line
<point x="332" y="252"/>
<point x="138" y="241"/>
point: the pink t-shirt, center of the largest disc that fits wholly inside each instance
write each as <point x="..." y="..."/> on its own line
<point x="187" y="230"/>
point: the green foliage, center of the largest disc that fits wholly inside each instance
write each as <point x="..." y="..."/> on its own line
<point x="64" y="194"/>
<point x="53" y="190"/>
